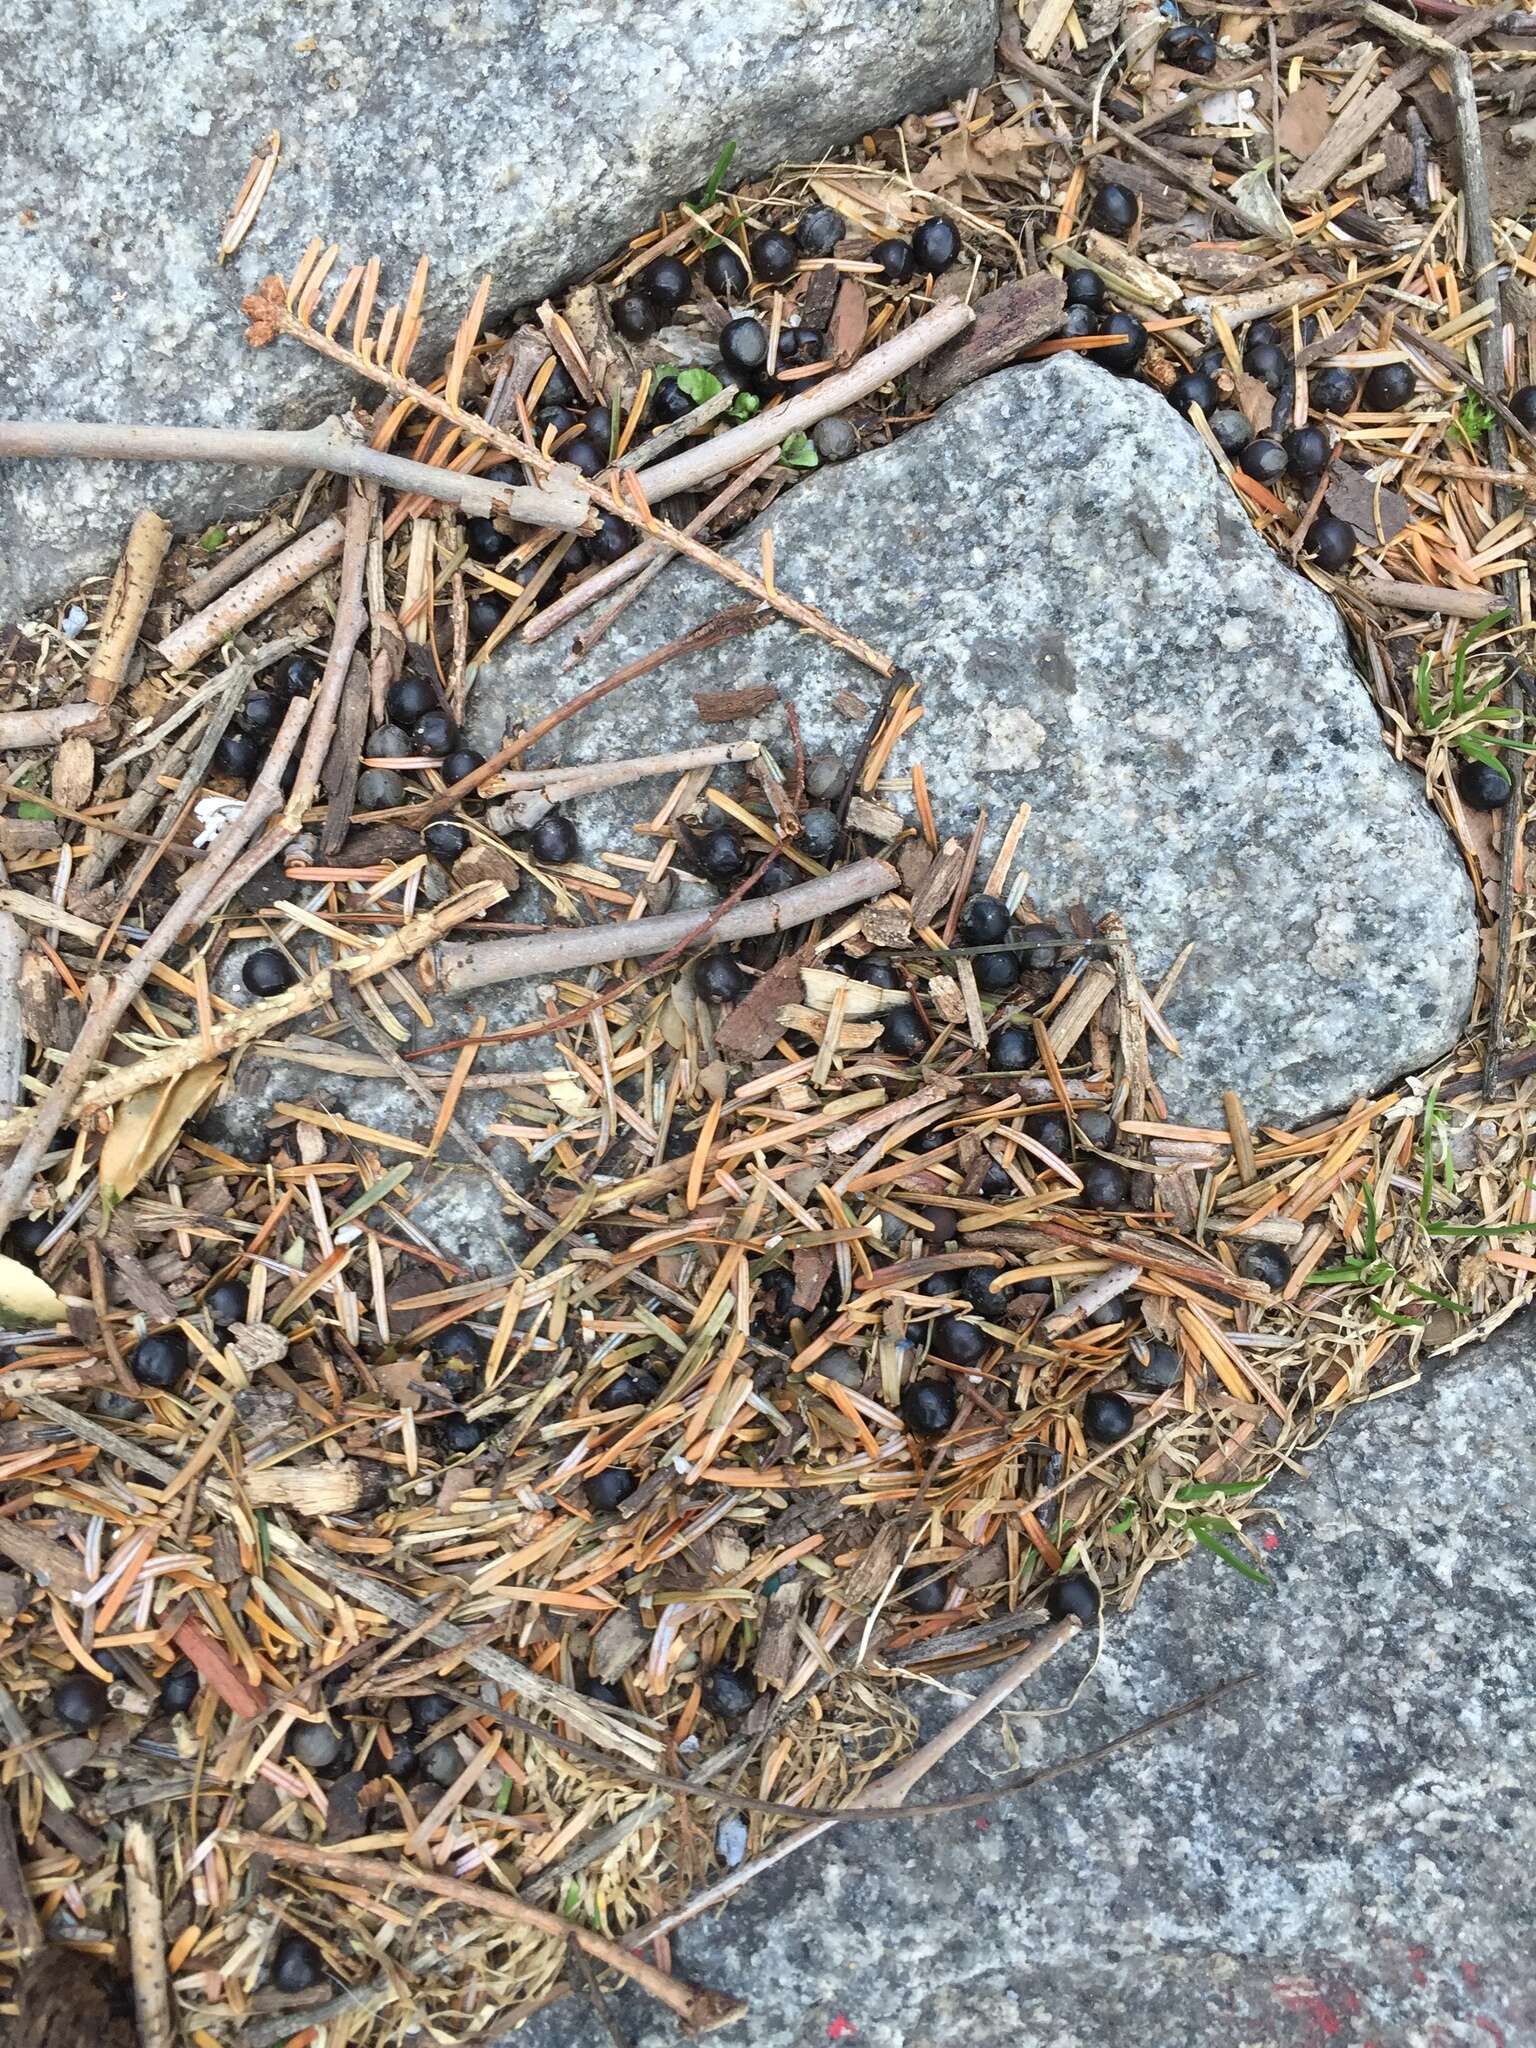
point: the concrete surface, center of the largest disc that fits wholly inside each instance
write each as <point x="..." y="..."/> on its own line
<point x="1342" y="1855"/>
<point x="528" y="138"/>
<point x="1099" y="633"/>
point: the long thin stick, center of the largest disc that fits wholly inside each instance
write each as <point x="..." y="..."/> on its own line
<point x="698" y="2008"/>
<point x="723" y="452"/>
<point x="146" y="1938"/>
<point x="303" y="558"/>
<point x="132" y="588"/>
<point x="461" y="968"/>
<point x="329" y="446"/>
<point x="351" y="617"/>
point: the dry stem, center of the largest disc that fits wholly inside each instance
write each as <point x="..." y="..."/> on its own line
<point x="132" y="588"/>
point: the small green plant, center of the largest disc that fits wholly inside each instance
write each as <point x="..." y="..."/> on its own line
<point x="699" y="384"/>
<point x="716" y="177"/>
<point x="1469" y="720"/>
<point x="1472" y="421"/>
<point x="1372" y="1270"/>
<point x="1185" y="1510"/>
<point x="799" y="452"/>
<point x="744" y="404"/>
<point x="215" y="537"/>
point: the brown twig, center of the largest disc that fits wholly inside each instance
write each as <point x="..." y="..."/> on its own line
<point x="347" y="630"/>
<point x="274" y="580"/>
<point x="15" y="1899"/>
<point x="146" y="1938"/>
<point x="132" y="588"/>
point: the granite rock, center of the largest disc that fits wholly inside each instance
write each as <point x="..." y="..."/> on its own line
<point x="1100" y="633"/>
<point x="527" y="137"/>
<point x="1339" y="1855"/>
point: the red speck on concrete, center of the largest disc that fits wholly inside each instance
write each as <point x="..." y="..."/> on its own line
<point x="1270" y="1540"/>
<point x="841" y="2028"/>
<point x="1481" y="2019"/>
<point x="1471" y="1976"/>
<point x="1418" y="1975"/>
<point x="1308" y="1999"/>
<point x="983" y="1823"/>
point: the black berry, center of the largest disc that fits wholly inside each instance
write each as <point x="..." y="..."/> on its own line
<point x="1107" y="1417"/>
<point x="724" y="271"/>
<point x="459" y="1435"/>
<point x="409" y="698"/>
<point x="614" y="537"/>
<point x="1266" y="362"/>
<point x="1389" y="387"/>
<point x="1264" y="460"/>
<point x="903" y="1034"/>
<point x="670" y="402"/>
<point x="458" y="1341"/>
<point x="297" y="1965"/>
<point x="636" y="315"/>
<point x="228" y="1303"/>
<point x="628" y="1389"/>
<point x="1114" y="209"/>
<point x="877" y="971"/>
<point x="607" y="1488"/>
<point x="387" y="743"/>
<point x="445" y="840"/>
<point x="1072" y="1596"/>
<point x="551" y="421"/>
<point x="266" y="972"/>
<point x="584" y="455"/>
<point x="1262" y="331"/>
<point x="159" y="1361"/>
<point x="959" y="1342"/>
<point x="774" y="257"/>
<point x="936" y="245"/>
<point x="606" y="1695"/>
<point x="1158" y="1368"/>
<point x="239" y="755"/>
<point x="1054" y="1133"/>
<point x="1085" y="288"/>
<point x="1190" y="47"/>
<point x="1128" y="349"/>
<point x="1331" y="541"/>
<point x="1481" y="786"/>
<point x="928" y="1407"/>
<point x="262" y="711"/>
<point x="81" y="1700"/>
<point x="728" y="1692"/>
<point x="486" y="613"/>
<point x="1011" y="1047"/>
<point x="1331" y="390"/>
<point x="1105" y="1185"/>
<point x="819" y="833"/>
<point x="559" y="386"/>
<point x="719" y="980"/>
<point x="1192" y="389"/>
<point x="895" y="260"/>
<point x="996" y="973"/>
<point x="1232" y="432"/>
<point x="179" y="1687"/>
<point x="1266" y="1263"/>
<point x="434" y="734"/>
<point x="820" y="231"/>
<point x="484" y="540"/>
<point x="460" y="762"/>
<point x="923" y="1591"/>
<point x="666" y="280"/>
<point x="984" y="921"/>
<point x="1522" y="404"/>
<point x="600" y="426"/>
<point x="1307" y="450"/>
<point x="744" y="346"/>
<point x="27" y="1234"/>
<point x="722" y="855"/>
<point x="554" y="841"/>
<point x="1080" y="320"/>
<point x="298" y="676"/>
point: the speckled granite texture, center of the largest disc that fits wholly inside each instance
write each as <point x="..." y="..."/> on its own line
<point x="527" y="137"/>
<point x="1343" y="1855"/>
<point x="1099" y="633"/>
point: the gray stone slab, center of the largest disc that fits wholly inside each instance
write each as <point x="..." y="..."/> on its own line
<point x="1099" y="633"/>
<point x="525" y="137"/>
<point x="1343" y="1855"/>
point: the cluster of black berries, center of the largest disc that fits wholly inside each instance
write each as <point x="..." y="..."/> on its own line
<point x="1088" y="309"/>
<point x="244" y="747"/>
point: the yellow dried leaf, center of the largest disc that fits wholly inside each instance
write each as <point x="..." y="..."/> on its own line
<point x="26" y="1301"/>
<point x="147" y="1125"/>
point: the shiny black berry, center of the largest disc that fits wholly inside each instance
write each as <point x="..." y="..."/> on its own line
<point x="1262" y="331"/>
<point x="1266" y="1263"/>
<point x="606" y="1695"/>
<point x="607" y="1488"/>
<point x="297" y="1965"/>
<point x="433" y="734"/>
<point x="774" y="257"/>
<point x="1330" y="541"/>
<point x="461" y="761"/>
<point x="1011" y="1047"/>
<point x="819" y="833"/>
<point x="902" y="1034"/>
<point x="409" y="698"/>
<point x="1114" y="209"/>
<point x="1078" y="321"/>
<point x="239" y="755"/>
<point x="928" y="1407"/>
<point x="1307" y="450"/>
<point x="936" y="245"/>
<point x="1072" y="1596"/>
<point x="1192" y="389"/>
<point x="724" y="271"/>
<point x="266" y="972"/>
<point x="629" y="1389"/>
<point x="1232" y="432"/>
<point x="614" y="537"/>
<point x="599" y="427"/>
<point x="27" y="1234"/>
<point x="959" y="1342"/>
<point x="458" y="1341"/>
<point x="984" y="921"/>
<point x="728" y="1692"/>
<point x="877" y="971"/>
<point x="584" y="456"/>
<point x="983" y="1293"/>
<point x="179" y="1687"/>
<point x="997" y="972"/>
<point x="895" y="260"/>
<point x="744" y="346"/>
<point x="1105" y="1185"/>
<point x="262" y="712"/>
<point x="297" y="676"/>
<point x="81" y="1700"/>
<point x="550" y="422"/>
<point x="1107" y="1417"/>
<point x="1189" y="47"/>
<point x="445" y="840"/>
<point x="1054" y="1133"/>
<point x="1388" y="387"/>
<point x="1522" y="404"/>
<point x="1264" y="361"/>
<point x="1264" y="460"/>
<point x="1129" y="347"/>
<point x="559" y="386"/>
<point x="719" y="980"/>
<point x="459" y="1435"/>
<point x="1156" y="1367"/>
<point x="484" y="540"/>
<point x="820" y="231"/>
<point x="554" y="841"/>
<point x="228" y="1303"/>
<point x="722" y="855"/>
<point x="666" y="280"/>
<point x="1085" y="288"/>
<point x="486" y="613"/>
<point x="1332" y="389"/>
<point x="923" y="1590"/>
<point x="1481" y="786"/>
<point x="159" y="1361"/>
<point x="670" y="402"/>
<point x="636" y="315"/>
